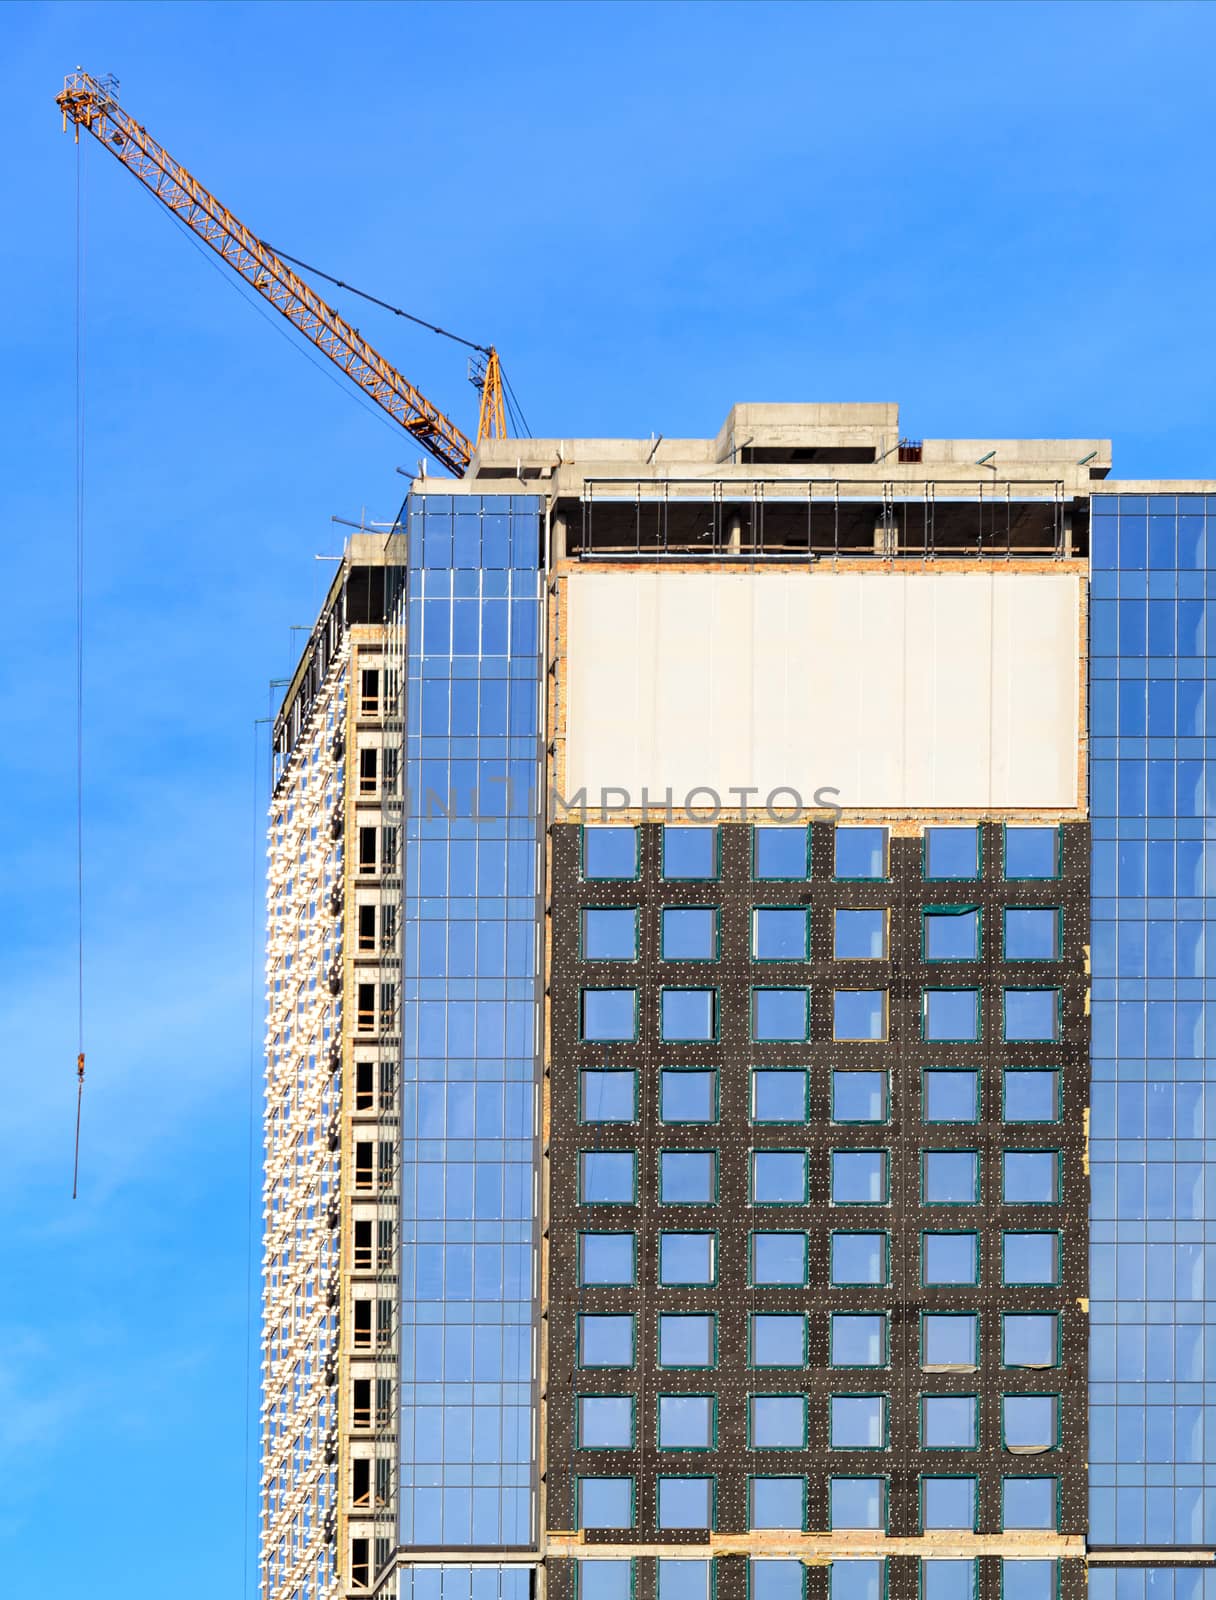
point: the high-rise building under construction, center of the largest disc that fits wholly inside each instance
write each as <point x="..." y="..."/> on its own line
<point x="736" y="1061"/>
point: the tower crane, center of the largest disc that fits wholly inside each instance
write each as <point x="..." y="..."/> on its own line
<point x="92" y="103"/>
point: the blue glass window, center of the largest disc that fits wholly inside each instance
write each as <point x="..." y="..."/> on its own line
<point x="1032" y="1094"/>
<point x="857" y="1502"/>
<point x="610" y="852"/>
<point x="1032" y="852"/>
<point x="859" y="1095"/>
<point x="769" y="1579"/>
<point x="689" y="1014"/>
<point x="777" y="1422"/>
<point x="605" y="1502"/>
<point x="858" y="1258"/>
<point x="950" y="1421"/>
<point x="687" y="1258"/>
<point x="779" y="1095"/>
<point x="856" y="1580"/>
<point x="1032" y="933"/>
<point x="779" y="1259"/>
<point x="1030" y="1177"/>
<point x="781" y="853"/>
<point x="690" y="852"/>
<point x="950" y="1177"/>
<point x="951" y="1015"/>
<point x="948" y="1502"/>
<point x="605" y="1422"/>
<point x="949" y="1258"/>
<point x="610" y="934"/>
<point x="859" y="1177"/>
<point x="686" y="1422"/>
<point x="949" y="1339"/>
<point x="1030" y="1339"/>
<point x="1031" y="1014"/>
<point x="1030" y="1421"/>
<point x="777" y="1503"/>
<point x="778" y="1339"/>
<point x="687" y="1339"/>
<point x="605" y="1341"/>
<point x="606" y="1258"/>
<point x="685" y="1503"/>
<point x="687" y="1177"/>
<point x="859" y="1014"/>
<point x="951" y="1094"/>
<point x="605" y="1580"/>
<point x="609" y="1014"/>
<point x="858" y="1339"/>
<point x="690" y="933"/>
<point x="859" y="935"/>
<point x="861" y="853"/>
<point x="781" y="1014"/>
<point x="608" y="1095"/>
<point x="857" y="1422"/>
<point x="781" y="933"/>
<point x="1029" y="1502"/>
<point x="779" y="1177"/>
<point x="688" y="1094"/>
<point x="951" y="933"/>
<point x="1030" y="1258"/>
<point x="607" y="1177"/>
<point x="948" y="1580"/>
<point x="952" y="853"/>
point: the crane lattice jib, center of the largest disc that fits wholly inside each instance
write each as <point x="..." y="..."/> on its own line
<point x="90" y="104"/>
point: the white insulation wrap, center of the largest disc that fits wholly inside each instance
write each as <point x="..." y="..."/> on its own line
<point x="899" y="690"/>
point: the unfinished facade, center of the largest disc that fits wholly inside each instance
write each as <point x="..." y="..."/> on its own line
<point x="682" y="1114"/>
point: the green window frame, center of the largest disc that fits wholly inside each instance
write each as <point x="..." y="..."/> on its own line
<point x="847" y="911"/>
<point x="884" y="1400"/>
<point x="952" y="1233"/>
<point x="1005" y="828"/>
<point x="1058" y="953"/>
<point x="1011" y="1067"/>
<point x="951" y="911"/>
<point x="859" y="1150"/>
<point x="605" y="1069"/>
<point x="606" y="1366"/>
<point x="1037" y="1394"/>
<point x="631" y="877"/>
<point x="939" y="877"/>
<point x="691" y="1233"/>
<point x="578" y="1421"/>
<point x="781" y="1122"/>
<point x="968" y="1477"/>
<point x="779" y="1150"/>
<point x="774" y="1366"/>
<point x="715" y="1033"/>
<point x="701" y="828"/>
<point x="769" y="878"/>
<point x="691" y="960"/>
<point x="776" y="1395"/>
<point x="760" y="960"/>
<point x="582" y="1160"/>
<point x="774" y="1477"/>
<point x="686" y="1477"/>
<point x="666" y="1200"/>
<point x="615" y="1477"/>
<point x="686" y="1449"/>
<point x="584" y="911"/>
<point x="884" y="1321"/>
<point x="975" y="1421"/>
<point x="1057" y="1343"/>
<point x="675" y="1316"/>
<point x="690" y="1066"/>
<point x="934" y="1068"/>
<point x="977" y="1179"/>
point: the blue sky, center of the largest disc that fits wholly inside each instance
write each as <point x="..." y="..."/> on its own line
<point x="986" y="212"/>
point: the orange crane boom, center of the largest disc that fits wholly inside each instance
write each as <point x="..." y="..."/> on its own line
<point x="92" y="104"/>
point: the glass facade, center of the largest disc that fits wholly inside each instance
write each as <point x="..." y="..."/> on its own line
<point x="470" y="1010"/>
<point x="1153" y="1260"/>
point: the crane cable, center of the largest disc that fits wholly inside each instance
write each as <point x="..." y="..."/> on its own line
<point x="79" y="554"/>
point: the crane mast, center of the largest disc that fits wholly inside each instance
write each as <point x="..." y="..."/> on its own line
<point x="92" y="104"/>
